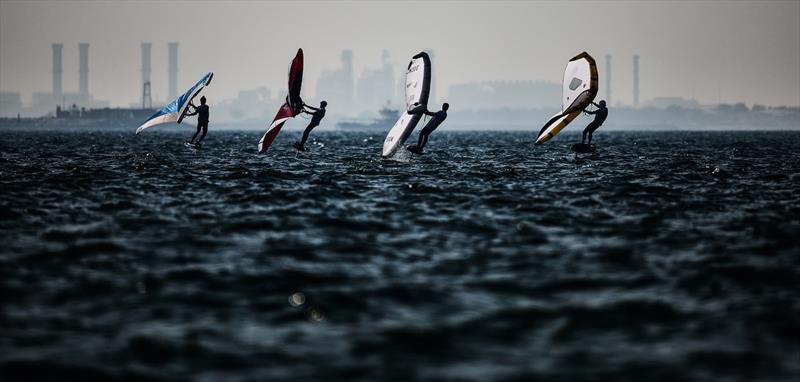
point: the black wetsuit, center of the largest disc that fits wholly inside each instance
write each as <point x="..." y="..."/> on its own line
<point x="438" y="118"/>
<point x="600" y="116"/>
<point x="316" y="118"/>
<point x="202" y="122"/>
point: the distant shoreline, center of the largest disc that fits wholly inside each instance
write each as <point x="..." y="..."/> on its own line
<point x="674" y="118"/>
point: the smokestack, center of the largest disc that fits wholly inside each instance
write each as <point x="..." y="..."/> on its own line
<point x="83" y="70"/>
<point x="146" y="62"/>
<point x="57" y="71"/>
<point x="608" y="79"/>
<point x="635" y="80"/>
<point x="173" y="70"/>
<point x="147" y="100"/>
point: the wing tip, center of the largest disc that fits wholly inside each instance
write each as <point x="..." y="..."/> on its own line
<point x="421" y="54"/>
<point x="585" y="55"/>
<point x="262" y="148"/>
<point x="543" y="138"/>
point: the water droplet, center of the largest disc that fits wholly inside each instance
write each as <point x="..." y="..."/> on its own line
<point x="297" y="299"/>
<point x="315" y="315"/>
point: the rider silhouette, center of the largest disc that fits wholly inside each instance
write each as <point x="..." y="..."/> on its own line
<point x="599" y="117"/>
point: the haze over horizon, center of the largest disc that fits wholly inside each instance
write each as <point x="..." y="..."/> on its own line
<point x="710" y="51"/>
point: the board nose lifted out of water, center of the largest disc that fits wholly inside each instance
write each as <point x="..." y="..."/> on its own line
<point x="579" y="88"/>
<point x="176" y="110"/>
<point x="418" y="85"/>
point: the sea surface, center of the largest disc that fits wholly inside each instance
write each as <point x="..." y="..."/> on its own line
<point x="671" y="256"/>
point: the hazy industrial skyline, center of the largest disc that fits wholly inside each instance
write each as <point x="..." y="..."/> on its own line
<point x="710" y="51"/>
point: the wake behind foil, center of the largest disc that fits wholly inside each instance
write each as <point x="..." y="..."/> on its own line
<point x="418" y="85"/>
<point x="176" y="110"/>
<point x="580" y="86"/>
<point x="291" y="107"/>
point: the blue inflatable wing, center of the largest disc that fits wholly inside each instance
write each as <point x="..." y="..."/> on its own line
<point x="176" y="110"/>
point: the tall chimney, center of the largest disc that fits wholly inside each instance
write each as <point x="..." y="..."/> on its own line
<point x="173" y="70"/>
<point x="608" y="79"/>
<point x="83" y="70"/>
<point x="635" y="80"/>
<point x="57" y="72"/>
<point x="146" y="62"/>
<point x="147" y="100"/>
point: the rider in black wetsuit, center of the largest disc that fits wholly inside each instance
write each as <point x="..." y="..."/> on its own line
<point x="202" y="120"/>
<point x="438" y="118"/>
<point x="317" y="115"/>
<point x="599" y="117"/>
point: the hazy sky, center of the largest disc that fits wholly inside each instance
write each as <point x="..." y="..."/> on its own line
<point x="714" y="51"/>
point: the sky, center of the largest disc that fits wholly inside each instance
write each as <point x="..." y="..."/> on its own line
<point x="714" y="51"/>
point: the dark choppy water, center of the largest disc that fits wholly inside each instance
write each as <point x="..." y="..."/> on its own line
<point x="670" y="256"/>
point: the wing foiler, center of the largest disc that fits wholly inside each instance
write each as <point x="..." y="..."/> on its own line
<point x="176" y="110"/>
<point x="291" y="108"/>
<point x="418" y="86"/>
<point x="580" y="88"/>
